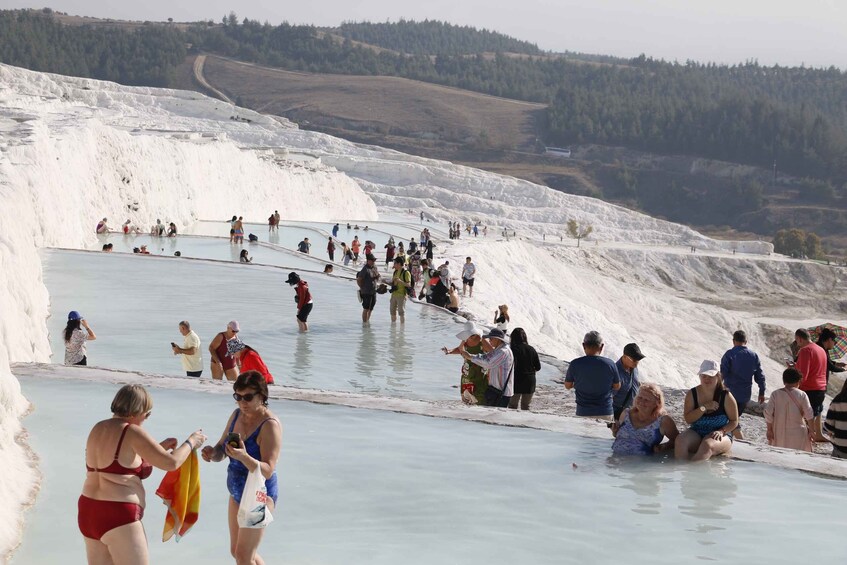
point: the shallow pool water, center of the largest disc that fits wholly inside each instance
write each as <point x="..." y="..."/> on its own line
<point x="134" y="304"/>
<point x="359" y="486"/>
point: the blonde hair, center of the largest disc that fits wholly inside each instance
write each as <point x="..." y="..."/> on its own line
<point x="132" y="400"/>
<point x="656" y="392"/>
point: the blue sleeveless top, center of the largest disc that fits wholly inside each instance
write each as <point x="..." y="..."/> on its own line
<point x="637" y="441"/>
<point x="710" y="421"/>
<point x="236" y="472"/>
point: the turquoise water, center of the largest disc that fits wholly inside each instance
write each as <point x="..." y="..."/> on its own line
<point x="372" y="487"/>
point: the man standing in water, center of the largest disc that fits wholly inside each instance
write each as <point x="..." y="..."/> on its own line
<point x="401" y="282"/>
<point x="367" y="279"/>
<point x="222" y="362"/>
<point x="192" y="362"/>
<point x="740" y="366"/>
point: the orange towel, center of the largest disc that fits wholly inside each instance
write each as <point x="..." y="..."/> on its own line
<point x="180" y="491"/>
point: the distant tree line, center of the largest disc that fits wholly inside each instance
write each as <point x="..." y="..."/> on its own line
<point x="146" y="57"/>
<point x="798" y="244"/>
<point x="431" y="37"/>
<point x="794" y="117"/>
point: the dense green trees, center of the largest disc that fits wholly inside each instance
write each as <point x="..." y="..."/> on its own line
<point x="431" y="37"/>
<point x="34" y="40"/>
<point x="795" y="118"/>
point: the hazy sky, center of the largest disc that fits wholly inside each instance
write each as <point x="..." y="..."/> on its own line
<point x="727" y="31"/>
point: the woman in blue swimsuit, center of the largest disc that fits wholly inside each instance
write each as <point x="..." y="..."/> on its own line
<point x="711" y="414"/>
<point x="260" y="443"/>
<point x="640" y="431"/>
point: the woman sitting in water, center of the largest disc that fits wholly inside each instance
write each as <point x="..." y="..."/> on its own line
<point x="259" y="447"/>
<point x="711" y="414"/>
<point x="172" y="230"/>
<point x="244" y="257"/>
<point x="119" y="454"/>
<point x="642" y="428"/>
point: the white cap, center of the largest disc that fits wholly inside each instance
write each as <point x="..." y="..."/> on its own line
<point x="709" y="367"/>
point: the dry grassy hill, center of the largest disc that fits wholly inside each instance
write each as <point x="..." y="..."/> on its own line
<point x="391" y="106"/>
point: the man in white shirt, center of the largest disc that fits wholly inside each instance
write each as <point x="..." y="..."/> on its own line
<point x="192" y="362"/>
<point x="468" y="273"/>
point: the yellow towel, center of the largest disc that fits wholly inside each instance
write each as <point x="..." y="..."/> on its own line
<point x="180" y="491"/>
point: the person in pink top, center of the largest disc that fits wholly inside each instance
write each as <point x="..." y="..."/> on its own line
<point x="789" y="414"/>
<point x="811" y="362"/>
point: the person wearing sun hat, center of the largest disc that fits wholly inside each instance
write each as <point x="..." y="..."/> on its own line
<point x="711" y="414"/>
<point x="499" y="361"/>
<point x="222" y="362"/>
<point x="76" y="333"/>
<point x="474" y="379"/>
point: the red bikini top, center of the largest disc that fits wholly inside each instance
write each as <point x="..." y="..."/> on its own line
<point x="142" y="471"/>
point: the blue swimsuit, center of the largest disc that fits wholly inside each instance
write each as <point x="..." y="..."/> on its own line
<point x="710" y="421"/>
<point x="236" y="473"/>
<point x="637" y="441"/>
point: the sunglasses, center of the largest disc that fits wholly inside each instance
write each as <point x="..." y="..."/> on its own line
<point x="245" y="397"/>
<point x="150" y="413"/>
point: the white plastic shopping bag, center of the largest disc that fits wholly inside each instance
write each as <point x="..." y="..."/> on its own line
<point x="253" y="511"/>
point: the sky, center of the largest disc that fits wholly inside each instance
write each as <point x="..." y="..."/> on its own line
<point x="725" y="31"/>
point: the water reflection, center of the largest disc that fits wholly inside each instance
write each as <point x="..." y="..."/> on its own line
<point x="400" y="356"/>
<point x="643" y="476"/>
<point x="302" y="357"/>
<point x="367" y="362"/>
<point x="710" y="488"/>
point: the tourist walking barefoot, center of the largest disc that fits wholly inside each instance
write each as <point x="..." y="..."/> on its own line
<point x="119" y="454"/>
<point x="222" y="362"/>
<point x="252" y="439"/>
<point x="711" y="414"/>
<point x="303" y="297"/>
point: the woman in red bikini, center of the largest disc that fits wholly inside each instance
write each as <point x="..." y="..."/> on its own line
<point x="119" y="454"/>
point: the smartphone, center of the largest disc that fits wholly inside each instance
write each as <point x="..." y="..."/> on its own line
<point x="233" y="440"/>
<point x="173" y="344"/>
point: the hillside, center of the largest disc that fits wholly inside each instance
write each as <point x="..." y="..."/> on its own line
<point x="691" y="143"/>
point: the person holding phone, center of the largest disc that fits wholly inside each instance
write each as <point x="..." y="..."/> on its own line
<point x="192" y="362"/>
<point x="252" y="440"/>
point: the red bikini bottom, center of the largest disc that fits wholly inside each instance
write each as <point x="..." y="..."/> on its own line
<point x="96" y="517"/>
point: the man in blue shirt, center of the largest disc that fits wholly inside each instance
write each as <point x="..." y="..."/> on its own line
<point x="739" y="368"/>
<point x="627" y="367"/>
<point x="593" y="378"/>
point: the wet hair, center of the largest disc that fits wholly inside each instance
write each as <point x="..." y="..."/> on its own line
<point x="802" y="334"/>
<point x="243" y="253"/>
<point x="519" y="337"/>
<point x="252" y="380"/>
<point x="740" y="336"/>
<point x="69" y="329"/>
<point x="132" y="400"/>
<point x="791" y="376"/>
